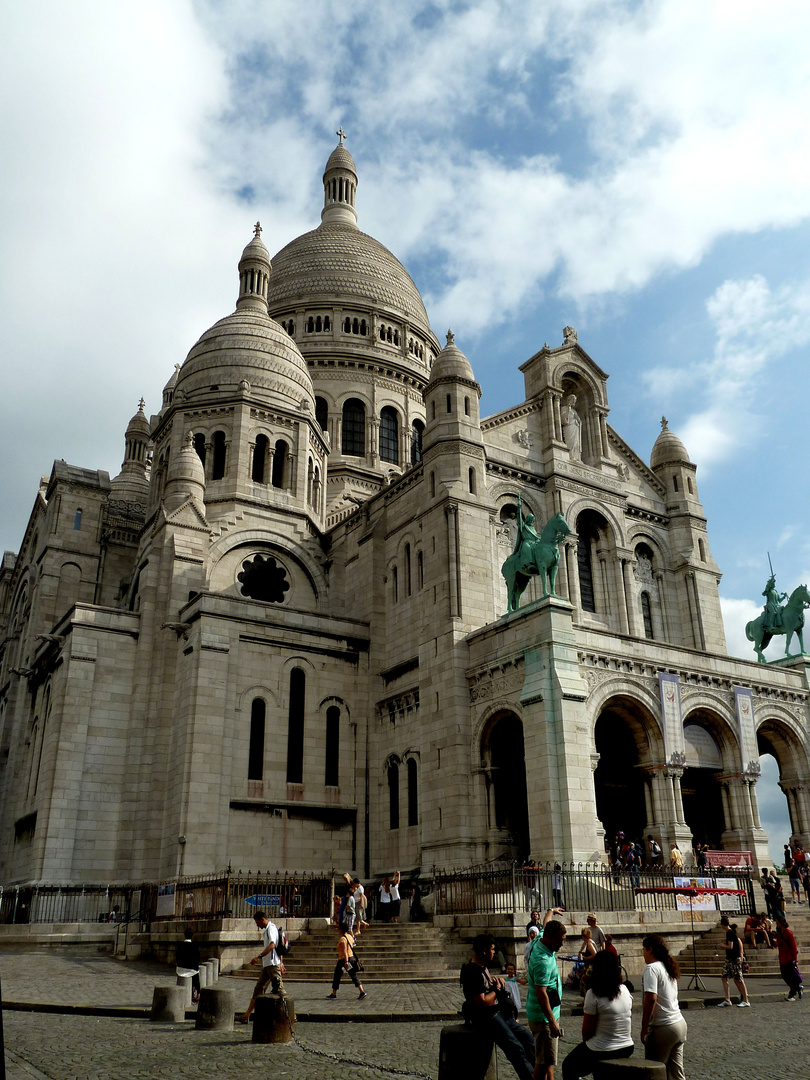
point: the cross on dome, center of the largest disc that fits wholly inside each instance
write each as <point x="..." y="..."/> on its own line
<point x="341" y="134"/>
<point x="141" y="404"/>
<point x="257" y="230"/>
<point x="451" y="337"/>
<point x="664" y="425"/>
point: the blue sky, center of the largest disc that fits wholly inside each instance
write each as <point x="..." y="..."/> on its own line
<point x="638" y="170"/>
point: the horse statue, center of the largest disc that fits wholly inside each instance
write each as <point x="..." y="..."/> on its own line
<point x="788" y="620"/>
<point x="533" y="555"/>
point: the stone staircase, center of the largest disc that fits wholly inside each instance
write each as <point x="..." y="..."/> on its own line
<point x="395" y="952"/>
<point x="763" y="961"/>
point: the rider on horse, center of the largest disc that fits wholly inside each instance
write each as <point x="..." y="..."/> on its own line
<point x="526" y="536"/>
<point x="772" y="615"/>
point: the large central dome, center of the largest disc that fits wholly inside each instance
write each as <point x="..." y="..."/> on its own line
<point x="339" y="261"/>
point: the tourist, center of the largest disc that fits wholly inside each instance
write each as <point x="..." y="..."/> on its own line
<point x="663" y="1028"/>
<point x="794" y="876"/>
<point x="732" y="966"/>
<point x="272" y="966"/>
<point x="597" y="933"/>
<point x="488" y="1008"/>
<point x="532" y="939"/>
<point x="605" y="1021"/>
<point x="656" y="855"/>
<point x="347" y="913"/>
<point x="360" y="901"/>
<point x="675" y="859"/>
<point x="511" y="985"/>
<point x="187" y="960"/>
<point x="544" y="998"/>
<point x="533" y="921"/>
<point x="347" y="964"/>
<point x="388" y="910"/>
<point x="788" y="958"/>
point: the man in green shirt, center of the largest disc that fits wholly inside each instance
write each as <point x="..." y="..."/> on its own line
<point x="544" y="998"/>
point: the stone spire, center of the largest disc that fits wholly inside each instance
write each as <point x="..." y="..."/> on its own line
<point x="131" y="483"/>
<point x="254" y="274"/>
<point x="339" y="186"/>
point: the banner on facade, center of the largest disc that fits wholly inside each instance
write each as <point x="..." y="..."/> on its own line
<point x="165" y="901"/>
<point x="701" y="902"/>
<point x="670" y="689"/>
<point x="729" y="860"/>
<point x="749" y="751"/>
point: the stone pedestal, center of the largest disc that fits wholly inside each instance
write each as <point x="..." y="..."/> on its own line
<point x="168" y="1004"/>
<point x="630" y="1069"/>
<point x="208" y="971"/>
<point x="215" y="1011"/>
<point x="466" y="1054"/>
<point x="184" y="982"/>
<point x="273" y="1019"/>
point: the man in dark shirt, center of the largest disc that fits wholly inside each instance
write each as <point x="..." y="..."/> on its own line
<point x="487" y="1006"/>
<point x="187" y="958"/>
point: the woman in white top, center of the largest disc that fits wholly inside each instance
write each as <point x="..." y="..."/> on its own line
<point x="606" y="1020"/>
<point x="663" y="1028"/>
<point x="390" y="902"/>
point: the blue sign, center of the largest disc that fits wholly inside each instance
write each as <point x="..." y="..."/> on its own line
<point x="263" y="900"/>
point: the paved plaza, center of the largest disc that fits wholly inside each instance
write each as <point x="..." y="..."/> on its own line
<point x="730" y="1044"/>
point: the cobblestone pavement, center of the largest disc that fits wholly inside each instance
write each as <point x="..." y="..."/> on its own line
<point x="732" y="1044"/>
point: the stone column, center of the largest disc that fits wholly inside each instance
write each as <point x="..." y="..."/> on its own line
<point x="662" y="607"/>
<point x="451" y="514"/>
<point x="372" y="439"/>
<point x="629" y="594"/>
<point x="558" y="437"/>
<point x="601" y="414"/>
<point x="570" y="551"/>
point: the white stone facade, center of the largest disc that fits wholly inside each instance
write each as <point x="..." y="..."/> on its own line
<point x="278" y="638"/>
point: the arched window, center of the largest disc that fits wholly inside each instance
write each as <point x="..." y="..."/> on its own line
<point x="332" y="772"/>
<point x="259" y="459"/>
<point x="413" y="793"/>
<point x="588" y="534"/>
<point x="353" y="429"/>
<point x="279" y="464"/>
<point x="466" y="406"/>
<point x="256" y="749"/>
<point x="218" y="445"/>
<point x="77" y="521"/>
<point x="355" y="326"/>
<point x="310" y="325"/>
<point x="449" y="403"/>
<point x="199" y="446"/>
<point x="389" y="435"/>
<point x="295" y="727"/>
<point x="417" y="428"/>
<point x="471" y="476"/>
<point x="395" y="580"/>
<point x="347" y="325"/>
<point x="407" y="569"/>
<point x="310" y="473"/>
<point x="393" y="795"/>
<point x="327" y="323"/>
<point x="68" y="591"/>
<point x="702" y="550"/>
<point x="674" y="483"/>
<point x="363" y="330"/>
<point x="321" y="412"/>
<point x="420" y="571"/>
<point x="646" y="614"/>
<point x="318" y="325"/>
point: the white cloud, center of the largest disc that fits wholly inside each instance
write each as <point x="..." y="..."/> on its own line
<point x="736" y="613"/>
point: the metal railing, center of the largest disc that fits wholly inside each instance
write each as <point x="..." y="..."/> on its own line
<point x="67" y="903"/>
<point x="504" y="888"/>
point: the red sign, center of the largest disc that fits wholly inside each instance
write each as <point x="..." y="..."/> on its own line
<point x="731" y="860"/>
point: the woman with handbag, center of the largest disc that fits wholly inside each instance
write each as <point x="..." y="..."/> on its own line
<point x="347" y="964"/>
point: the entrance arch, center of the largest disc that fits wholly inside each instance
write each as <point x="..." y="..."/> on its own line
<point x="701" y="793"/>
<point x="504" y="764"/>
<point x="623" y="744"/>
<point x="775" y="737"/>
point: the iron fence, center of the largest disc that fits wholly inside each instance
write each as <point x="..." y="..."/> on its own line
<point x="501" y="889"/>
<point x="225" y="894"/>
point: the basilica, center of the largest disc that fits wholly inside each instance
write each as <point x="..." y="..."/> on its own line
<point x="281" y="637"/>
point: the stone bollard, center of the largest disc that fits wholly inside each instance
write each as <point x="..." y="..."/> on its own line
<point x="466" y="1054"/>
<point x="273" y="1018"/>
<point x="210" y="973"/>
<point x="215" y="1011"/>
<point x="168" y="1003"/>
<point x="184" y="981"/>
<point x="629" y="1069"/>
<point x="215" y="961"/>
<point x="203" y="976"/>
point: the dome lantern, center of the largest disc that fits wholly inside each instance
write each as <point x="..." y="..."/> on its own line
<point x="339" y="186"/>
<point x="254" y="274"/>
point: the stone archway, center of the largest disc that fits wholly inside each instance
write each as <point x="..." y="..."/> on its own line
<point x="504" y="765"/>
<point x="776" y="738"/>
<point x="620" y="779"/>
<point x="701" y="793"/>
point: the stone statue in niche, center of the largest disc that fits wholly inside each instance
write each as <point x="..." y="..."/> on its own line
<point x="572" y="427"/>
<point x="644" y="570"/>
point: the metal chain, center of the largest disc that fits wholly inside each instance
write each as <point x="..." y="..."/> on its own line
<point x="345" y="1060"/>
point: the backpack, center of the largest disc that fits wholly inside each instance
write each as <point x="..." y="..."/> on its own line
<point x="655" y="850"/>
<point x="283" y="944"/>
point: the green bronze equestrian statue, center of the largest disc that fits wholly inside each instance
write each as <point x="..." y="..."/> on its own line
<point x="533" y="554"/>
<point x="778" y="618"/>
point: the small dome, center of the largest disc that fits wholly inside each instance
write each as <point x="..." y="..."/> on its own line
<point x="186" y="476"/>
<point x="340" y="158"/>
<point x="668" y="448"/>
<point x="138" y="427"/>
<point x="451" y="363"/>
<point x="248" y="345"/>
<point x="256" y="248"/>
